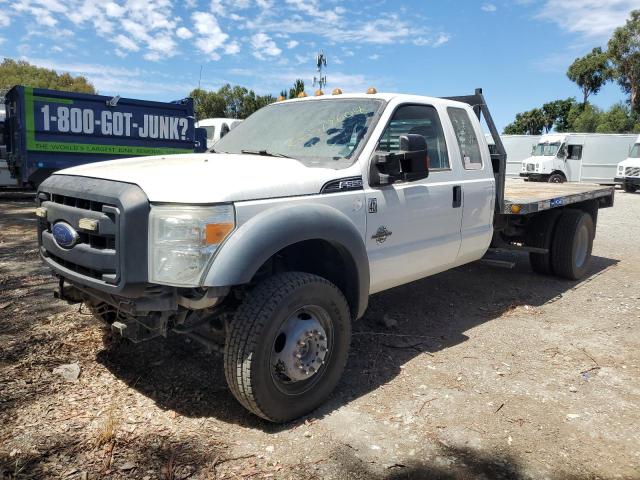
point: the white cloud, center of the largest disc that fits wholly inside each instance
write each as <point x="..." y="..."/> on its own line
<point x="441" y="39"/>
<point x="5" y="20"/>
<point x="125" y="43"/>
<point x="114" y="10"/>
<point x="232" y="48"/>
<point x="211" y="37"/>
<point x="375" y="56"/>
<point x="184" y="33"/>
<point x="594" y="19"/>
<point x="292" y="44"/>
<point x="488" y="7"/>
<point x="263" y="45"/>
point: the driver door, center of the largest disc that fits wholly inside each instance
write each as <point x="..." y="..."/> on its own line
<point x="413" y="228"/>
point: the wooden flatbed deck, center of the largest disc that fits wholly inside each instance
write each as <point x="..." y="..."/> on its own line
<point x="534" y="197"/>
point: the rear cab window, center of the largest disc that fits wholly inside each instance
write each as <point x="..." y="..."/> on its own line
<point x="421" y="120"/>
<point x="466" y="137"/>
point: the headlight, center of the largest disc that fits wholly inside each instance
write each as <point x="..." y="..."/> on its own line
<point x="182" y="240"/>
<point x="537" y="167"/>
<point x="620" y="169"/>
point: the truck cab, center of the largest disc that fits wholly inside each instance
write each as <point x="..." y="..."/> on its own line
<point x="548" y="160"/>
<point x="628" y="171"/>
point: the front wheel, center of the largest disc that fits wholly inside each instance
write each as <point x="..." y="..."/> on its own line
<point x="287" y="345"/>
<point x="630" y="188"/>
<point x="557" y="178"/>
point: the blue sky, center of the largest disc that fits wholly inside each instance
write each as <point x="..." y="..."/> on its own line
<point x="518" y="51"/>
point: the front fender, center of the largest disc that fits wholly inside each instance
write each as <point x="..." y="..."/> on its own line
<point x="251" y="245"/>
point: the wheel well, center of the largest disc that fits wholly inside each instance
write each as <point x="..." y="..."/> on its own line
<point x="558" y="172"/>
<point x="319" y="257"/>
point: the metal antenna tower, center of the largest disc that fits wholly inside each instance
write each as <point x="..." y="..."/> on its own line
<point x="321" y="62"/>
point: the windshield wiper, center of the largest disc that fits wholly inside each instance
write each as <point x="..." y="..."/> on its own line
<point x="265" y="153"/>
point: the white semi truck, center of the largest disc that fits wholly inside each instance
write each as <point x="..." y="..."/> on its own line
<point x="628" y="171"/>
<point x="576" y="157"/>
<point x="268" y="248"/>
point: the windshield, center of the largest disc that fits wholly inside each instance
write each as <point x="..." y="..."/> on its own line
<point x="635" y="151"/>
<point x="545" y="149"/>
<point x="320" y="133"/>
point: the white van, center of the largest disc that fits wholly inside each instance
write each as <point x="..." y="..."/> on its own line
<point x="217" y="128"/>
<point x="628" y="173"/>
<point x="576" y="157"/>
<point x="518" y="148"/>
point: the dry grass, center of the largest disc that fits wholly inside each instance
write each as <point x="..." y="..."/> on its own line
<point x="108" y="428"/>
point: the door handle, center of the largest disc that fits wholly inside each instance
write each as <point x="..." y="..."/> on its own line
<point x="457" y="196"/>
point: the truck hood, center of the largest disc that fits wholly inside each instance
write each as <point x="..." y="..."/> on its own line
<point x="213" y="177"/>
<point x="630" y="162"/>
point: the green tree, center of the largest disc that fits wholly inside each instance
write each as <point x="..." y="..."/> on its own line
<point x="527" y="123"/>
<point x="562" y="123"/>
<point x="584" y="118"/>
<point x="590" y="72"/>
<point x="19" y="72"/>
<point x="298" y="87"/>
<point x="618" y="119"/>
<point x="208" y="104"/>
<point x="228" y="101"/>
<point x="624" y="51"/>
<point x="555" y="114"/>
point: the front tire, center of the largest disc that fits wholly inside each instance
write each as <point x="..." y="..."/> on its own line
<point x="556" y="178"/>
<point x="572" y="244"/>
<point x="287" y="345"/>
<point x="630" y="188"/>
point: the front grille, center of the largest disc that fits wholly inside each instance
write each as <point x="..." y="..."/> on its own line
<point x="530" y="167"/>
<point x="74" y="267"/>
<point x="94" y="255"/>
<point x="83" y="203"/>
<point x="111" y="258"/>
<point x="632" y="172"/>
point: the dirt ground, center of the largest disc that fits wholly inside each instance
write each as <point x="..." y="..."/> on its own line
<point x="489" y="373"/>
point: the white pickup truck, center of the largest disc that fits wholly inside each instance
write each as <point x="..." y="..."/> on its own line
<point x="268" y="248"/>
<point x="628" y="172"/>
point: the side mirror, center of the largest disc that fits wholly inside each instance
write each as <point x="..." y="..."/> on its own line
<point x="412" y="163"/>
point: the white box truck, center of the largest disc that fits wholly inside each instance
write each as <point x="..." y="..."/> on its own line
<point x="577" y="157"/>
<point x="628" y="173"/>
<point x="518" y="147"/>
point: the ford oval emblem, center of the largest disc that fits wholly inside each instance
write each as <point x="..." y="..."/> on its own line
<point x="64" y="234"/>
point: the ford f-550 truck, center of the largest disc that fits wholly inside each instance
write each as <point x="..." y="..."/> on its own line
<point x="268" y="248"/>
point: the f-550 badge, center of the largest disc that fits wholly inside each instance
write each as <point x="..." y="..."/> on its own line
<point x="381" y="235"/>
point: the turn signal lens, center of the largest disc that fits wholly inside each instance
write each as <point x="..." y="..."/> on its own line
<point x="215" y="233"/>
<point x="515" y="209"/>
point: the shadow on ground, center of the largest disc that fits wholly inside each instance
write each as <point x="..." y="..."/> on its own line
<point x="431" y="314"/>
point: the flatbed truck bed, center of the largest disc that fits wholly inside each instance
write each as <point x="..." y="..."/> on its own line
<point x="524" y="198"/>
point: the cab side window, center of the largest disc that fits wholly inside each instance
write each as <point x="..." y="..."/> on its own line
<point x="467" y="140"/>
<point x="575" y="152"/>
<point x="421" y="120"/>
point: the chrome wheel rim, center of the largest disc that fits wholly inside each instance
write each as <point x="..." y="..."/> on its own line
<point x="301" y="349"/>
